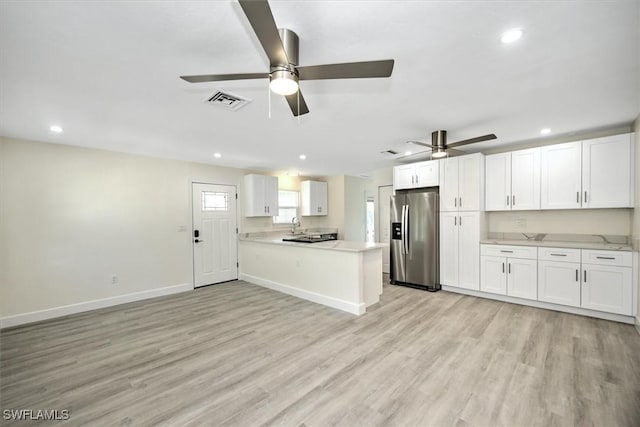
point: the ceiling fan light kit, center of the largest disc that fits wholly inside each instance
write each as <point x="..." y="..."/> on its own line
<point x="440" y="148"/>
<point x="282" y="49"/>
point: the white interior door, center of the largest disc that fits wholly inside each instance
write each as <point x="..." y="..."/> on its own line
<point x="215" y="242"/>
<point x="384" y="236"/>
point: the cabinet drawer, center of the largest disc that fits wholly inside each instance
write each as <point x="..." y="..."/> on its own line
<point x="619" y="258"/>
<point x="526" y="252"/>
<point x="559" y="254"/>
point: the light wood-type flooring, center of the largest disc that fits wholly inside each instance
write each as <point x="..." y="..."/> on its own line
<point x="236" y="354"/>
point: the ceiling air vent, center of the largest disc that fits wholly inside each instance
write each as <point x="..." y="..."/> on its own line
<point x="227" y="101"/>
<point x="389" y="152"/>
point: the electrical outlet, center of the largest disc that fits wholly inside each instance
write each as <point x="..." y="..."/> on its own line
<point x="114" y="279"/>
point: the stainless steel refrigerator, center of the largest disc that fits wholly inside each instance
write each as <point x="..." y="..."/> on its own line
<point x="414" y="239"/>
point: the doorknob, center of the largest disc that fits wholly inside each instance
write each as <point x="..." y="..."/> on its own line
<point x="198" y="241"/>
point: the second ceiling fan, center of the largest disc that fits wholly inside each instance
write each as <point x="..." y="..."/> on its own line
<point x="281" y="47"/>
<point x="440" y="148"/>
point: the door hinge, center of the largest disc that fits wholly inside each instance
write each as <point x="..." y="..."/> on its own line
<point x="236" y="230"/>
<point x="238" y="264"/>
<point x="236" y="196"/>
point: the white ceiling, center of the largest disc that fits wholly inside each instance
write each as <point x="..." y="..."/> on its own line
<point x="107" y="72"/>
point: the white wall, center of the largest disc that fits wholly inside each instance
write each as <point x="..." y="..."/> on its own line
<point x="636" y="211"/>
<point x="355" y="218"/>
<point x="73" y="217"/>
<point x="589" y="221"/>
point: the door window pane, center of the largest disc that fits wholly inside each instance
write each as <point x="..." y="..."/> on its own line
<point x="215" y="201"/>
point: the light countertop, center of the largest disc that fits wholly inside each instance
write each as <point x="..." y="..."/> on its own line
<point x="336" y="245"/>
<point x="558" y="244"/>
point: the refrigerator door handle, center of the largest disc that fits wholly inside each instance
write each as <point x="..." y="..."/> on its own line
<point x="406" y="229"/>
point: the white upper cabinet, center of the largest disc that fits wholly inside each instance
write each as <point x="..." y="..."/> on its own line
<point x="498" y="182"/>
<point x="607" y="172"/>
<point x="260" y="195"/>
<point x="462" y="183"/>
<point x="525" y="179"/>
<point x="313" y="196"/>
<point x="416" y="175"/>
<point x="513" y="180"/>
<point x="561" y="176"/>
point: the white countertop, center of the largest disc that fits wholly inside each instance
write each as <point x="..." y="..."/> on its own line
<point x="558" y="244"/>
<point x="336" y="245"/>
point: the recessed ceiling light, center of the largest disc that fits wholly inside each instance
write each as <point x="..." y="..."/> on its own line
<point x="545" y="131"/>
<point x="302" y="157"/>
<point x="217" y="155"/>
<point x="55" y="128"/>
<point x="511" y="35"/>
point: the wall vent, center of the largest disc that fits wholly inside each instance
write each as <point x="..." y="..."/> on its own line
<point x="389" y="152"/>
<point x="227" y="101"/>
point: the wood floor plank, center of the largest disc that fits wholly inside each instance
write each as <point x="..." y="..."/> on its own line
<point x="236" y="354"/>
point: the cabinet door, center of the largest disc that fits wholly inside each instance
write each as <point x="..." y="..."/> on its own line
<point x="271" y="195"/>
<point x="607" y="288"/>
<point x="525" y="179"/>
<point x="561" y="176"/>
<point x="522" y="278"/>
<point x="449" y="184"/>
<point x="403" y="177"/>
<point x="498" y="182"/>
<point x="319" y="193"/>
<point x="427" y="174"/>
<point x="559" y="282"/>
<point x="471" y="182"/>
<point x="254" y="197"/>
<point x="449" y="248"/>
<point x="469" y="250"/>
<point x="493" y="274"/>
<point x="606" y="172"/>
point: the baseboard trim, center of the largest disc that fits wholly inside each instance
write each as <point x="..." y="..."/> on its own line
<point x="540" y="304"/>
<point x="637" y="325"/>
<point x="65" y="310"/>
<point x="337" y="303"/>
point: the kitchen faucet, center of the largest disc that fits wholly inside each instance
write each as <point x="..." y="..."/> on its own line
<point x="604" y="239"/>
<point x="295" y="222"/>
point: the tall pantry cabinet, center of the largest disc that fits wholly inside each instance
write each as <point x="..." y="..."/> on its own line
<point x="462" y="220"/>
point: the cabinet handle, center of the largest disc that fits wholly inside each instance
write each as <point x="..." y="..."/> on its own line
<point x="412" y="179"/>
<point x="455" y="220"/>
<point x="585" y="197"/>
<point x="577" y="279"/>
<point x="558" y="254"/>
<point x="460" y="201"/>
<point x="577" y="197"/>
<point x="417" y="180"/>
<point x="507" y="200"/>
<point x="585" y="276"/>
<point x="605" y="257"/>
<point x="265" y="209"/>
<point x="460" y="222"/>
<point x="503" y="267"/>
<point x="455" y="202"/>
<point x="509" y="268"/>
<point x="507" y="252"/>
<point x="513" y="200"/>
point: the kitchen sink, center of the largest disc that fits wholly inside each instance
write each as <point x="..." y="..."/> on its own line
<point x="314" y="238"/>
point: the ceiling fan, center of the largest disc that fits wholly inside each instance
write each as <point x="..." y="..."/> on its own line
<point x="281" y="47"/>
<point x="440" y="148"/>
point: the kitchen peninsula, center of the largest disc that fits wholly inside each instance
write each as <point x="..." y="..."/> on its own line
<point x="341" y="274"/>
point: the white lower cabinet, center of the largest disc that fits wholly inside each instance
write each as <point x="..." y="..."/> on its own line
<point x="559" y="282"/>
<point x="460" y="249"/>
<point x="504" y="274"/>
<point x="607" y="288"/>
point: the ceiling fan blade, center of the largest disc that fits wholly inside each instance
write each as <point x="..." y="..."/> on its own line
<point x="404" y="156"/>
<point x="424" y="144"/>
<point x="347" y="70"/>
<point x="261" y="19"/>
<point x="221" y="77"/>
<point x="292" y="100"/>
<point x="472" y="140"/>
